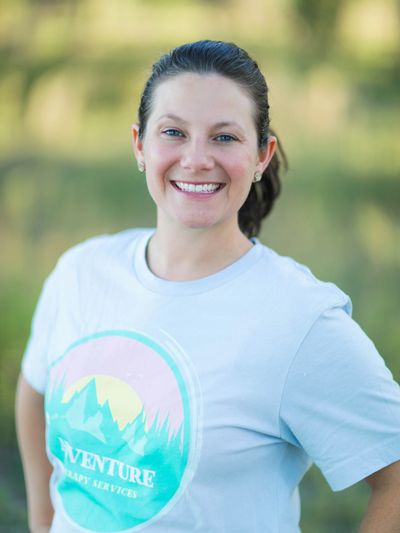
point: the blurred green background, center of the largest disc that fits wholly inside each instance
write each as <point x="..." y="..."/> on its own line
<point x="71" y="76"/>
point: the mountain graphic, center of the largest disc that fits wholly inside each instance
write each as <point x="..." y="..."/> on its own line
<point x="78" y="416"/>
<point x="83" y="414"/>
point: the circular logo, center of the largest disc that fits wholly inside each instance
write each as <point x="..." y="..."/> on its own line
<point x="121" y="428"/>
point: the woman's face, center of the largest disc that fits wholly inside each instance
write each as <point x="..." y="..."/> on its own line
<point x="200" y="150"/>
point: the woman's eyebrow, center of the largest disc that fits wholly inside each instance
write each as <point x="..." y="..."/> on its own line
<point x="230" y="124"/>
<point x="226" y="123"/>
<point x="222" y="124"/>
<point x="172" y="117"/>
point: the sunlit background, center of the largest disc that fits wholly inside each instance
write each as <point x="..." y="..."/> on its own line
<point x="71" y="76"/>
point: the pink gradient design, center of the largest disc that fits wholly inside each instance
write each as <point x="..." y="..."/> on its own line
<point x="132" y="362"/>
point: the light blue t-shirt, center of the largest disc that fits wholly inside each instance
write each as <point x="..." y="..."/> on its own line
<point x="198" y="406"/>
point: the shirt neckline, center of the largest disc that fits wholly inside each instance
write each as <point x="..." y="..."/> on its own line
<point x="152" y="282"/>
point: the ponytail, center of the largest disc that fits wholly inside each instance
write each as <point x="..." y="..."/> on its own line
<point x="263" y="194"/>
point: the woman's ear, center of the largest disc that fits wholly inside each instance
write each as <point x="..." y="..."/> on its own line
<point x="137" y="145"/>
<point x="266" y="153"/>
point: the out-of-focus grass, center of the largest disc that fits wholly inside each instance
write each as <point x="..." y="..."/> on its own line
<point x="12" y="495"/>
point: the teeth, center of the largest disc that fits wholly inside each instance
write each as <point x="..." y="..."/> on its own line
<point x="191" y="187"/>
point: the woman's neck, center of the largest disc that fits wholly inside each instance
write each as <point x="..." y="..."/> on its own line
<point x="186" y="254"/>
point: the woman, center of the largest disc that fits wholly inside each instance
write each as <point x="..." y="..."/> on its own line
<point x="191" y="374"/>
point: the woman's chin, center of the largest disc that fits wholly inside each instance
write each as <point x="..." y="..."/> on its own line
<point x="195" y="219"/>
<point x="195" y="223"/>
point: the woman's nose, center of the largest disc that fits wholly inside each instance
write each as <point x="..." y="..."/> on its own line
<point x="197" y="156"/>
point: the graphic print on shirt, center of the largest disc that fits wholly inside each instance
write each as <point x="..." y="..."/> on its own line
<point x="122" y="429"/>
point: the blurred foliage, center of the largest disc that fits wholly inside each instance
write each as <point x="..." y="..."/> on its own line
<point x="320" y="21"/>
<point x="70" y="78"/>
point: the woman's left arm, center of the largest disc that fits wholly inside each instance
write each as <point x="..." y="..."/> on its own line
<point x="383" y="511"/>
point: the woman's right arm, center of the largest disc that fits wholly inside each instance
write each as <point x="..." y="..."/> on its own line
<point x="30" y="422"/>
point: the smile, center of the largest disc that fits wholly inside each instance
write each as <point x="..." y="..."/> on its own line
<point x="203" y="188"/>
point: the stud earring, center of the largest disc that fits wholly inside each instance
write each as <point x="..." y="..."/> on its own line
<point x="257" y="176"/>
<point x="141" y="166"/>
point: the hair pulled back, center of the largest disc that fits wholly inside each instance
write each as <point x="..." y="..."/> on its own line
<point x="231" y="61"/>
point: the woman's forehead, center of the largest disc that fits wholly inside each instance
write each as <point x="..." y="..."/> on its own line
<point x="205" y="94"/>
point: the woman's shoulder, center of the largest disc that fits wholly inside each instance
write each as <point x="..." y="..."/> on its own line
<point x="105" y="247"/>
<point x="105" y="243"/>
<point x="296" y="283"/>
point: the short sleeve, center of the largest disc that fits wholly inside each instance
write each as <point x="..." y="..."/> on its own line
<point x="340" y="402"/>
<point x="35" y="359"/>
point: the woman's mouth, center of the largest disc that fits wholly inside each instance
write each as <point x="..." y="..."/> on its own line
<point x="202" y="188"/>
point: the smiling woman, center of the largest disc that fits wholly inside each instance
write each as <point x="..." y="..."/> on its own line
<point x="202" y="373"/>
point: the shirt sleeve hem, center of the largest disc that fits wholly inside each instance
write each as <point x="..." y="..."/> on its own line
<point x="353" y="470"/>
<point x="34" y="383"/>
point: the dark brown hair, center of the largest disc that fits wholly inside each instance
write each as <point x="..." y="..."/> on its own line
<point x="231" y="61"/>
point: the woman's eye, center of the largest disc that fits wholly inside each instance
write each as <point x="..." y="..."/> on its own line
<point x="172" y="132"/>
<point x="225" y="137"/>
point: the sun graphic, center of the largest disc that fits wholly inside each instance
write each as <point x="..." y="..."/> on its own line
<point x="124" y="402"/>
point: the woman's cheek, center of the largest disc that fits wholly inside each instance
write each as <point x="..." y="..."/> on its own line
<point x="163" y="156"/>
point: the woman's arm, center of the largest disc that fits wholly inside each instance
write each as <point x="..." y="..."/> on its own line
<point x="30" y="423"/>
<point x="383" y="512"/>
